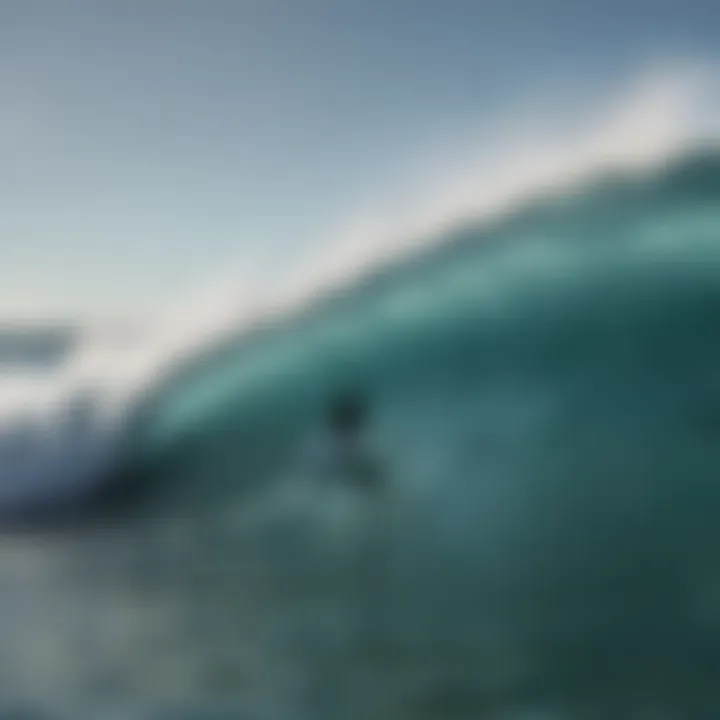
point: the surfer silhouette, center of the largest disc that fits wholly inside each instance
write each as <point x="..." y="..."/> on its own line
<point x="343" y="455"/>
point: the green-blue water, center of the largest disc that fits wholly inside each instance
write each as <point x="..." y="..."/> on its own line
<point x="546" y="391"/>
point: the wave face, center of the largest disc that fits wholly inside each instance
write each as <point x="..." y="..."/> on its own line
<point x="546" y="390"/>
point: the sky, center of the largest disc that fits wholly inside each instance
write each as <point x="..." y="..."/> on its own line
<point x="148" y="145"/>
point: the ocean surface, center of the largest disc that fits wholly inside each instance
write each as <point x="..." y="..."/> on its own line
<point x="545" y="391"/>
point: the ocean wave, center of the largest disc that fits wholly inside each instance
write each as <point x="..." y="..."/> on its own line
<point x="545" y="387"/>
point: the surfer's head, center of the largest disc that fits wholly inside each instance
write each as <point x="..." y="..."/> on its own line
<point x="348" y="412"/>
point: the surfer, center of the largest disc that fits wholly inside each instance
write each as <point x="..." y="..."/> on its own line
<point x="343" y="455"/>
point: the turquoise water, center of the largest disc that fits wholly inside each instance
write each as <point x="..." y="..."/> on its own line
<point x="546" y="390"/>
<point x="546" y="393"/>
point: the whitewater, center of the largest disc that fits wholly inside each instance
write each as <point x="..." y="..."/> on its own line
<point x="542" y="358"/>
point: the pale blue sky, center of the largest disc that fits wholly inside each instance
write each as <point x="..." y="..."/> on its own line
<point x="144" y="142"/>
